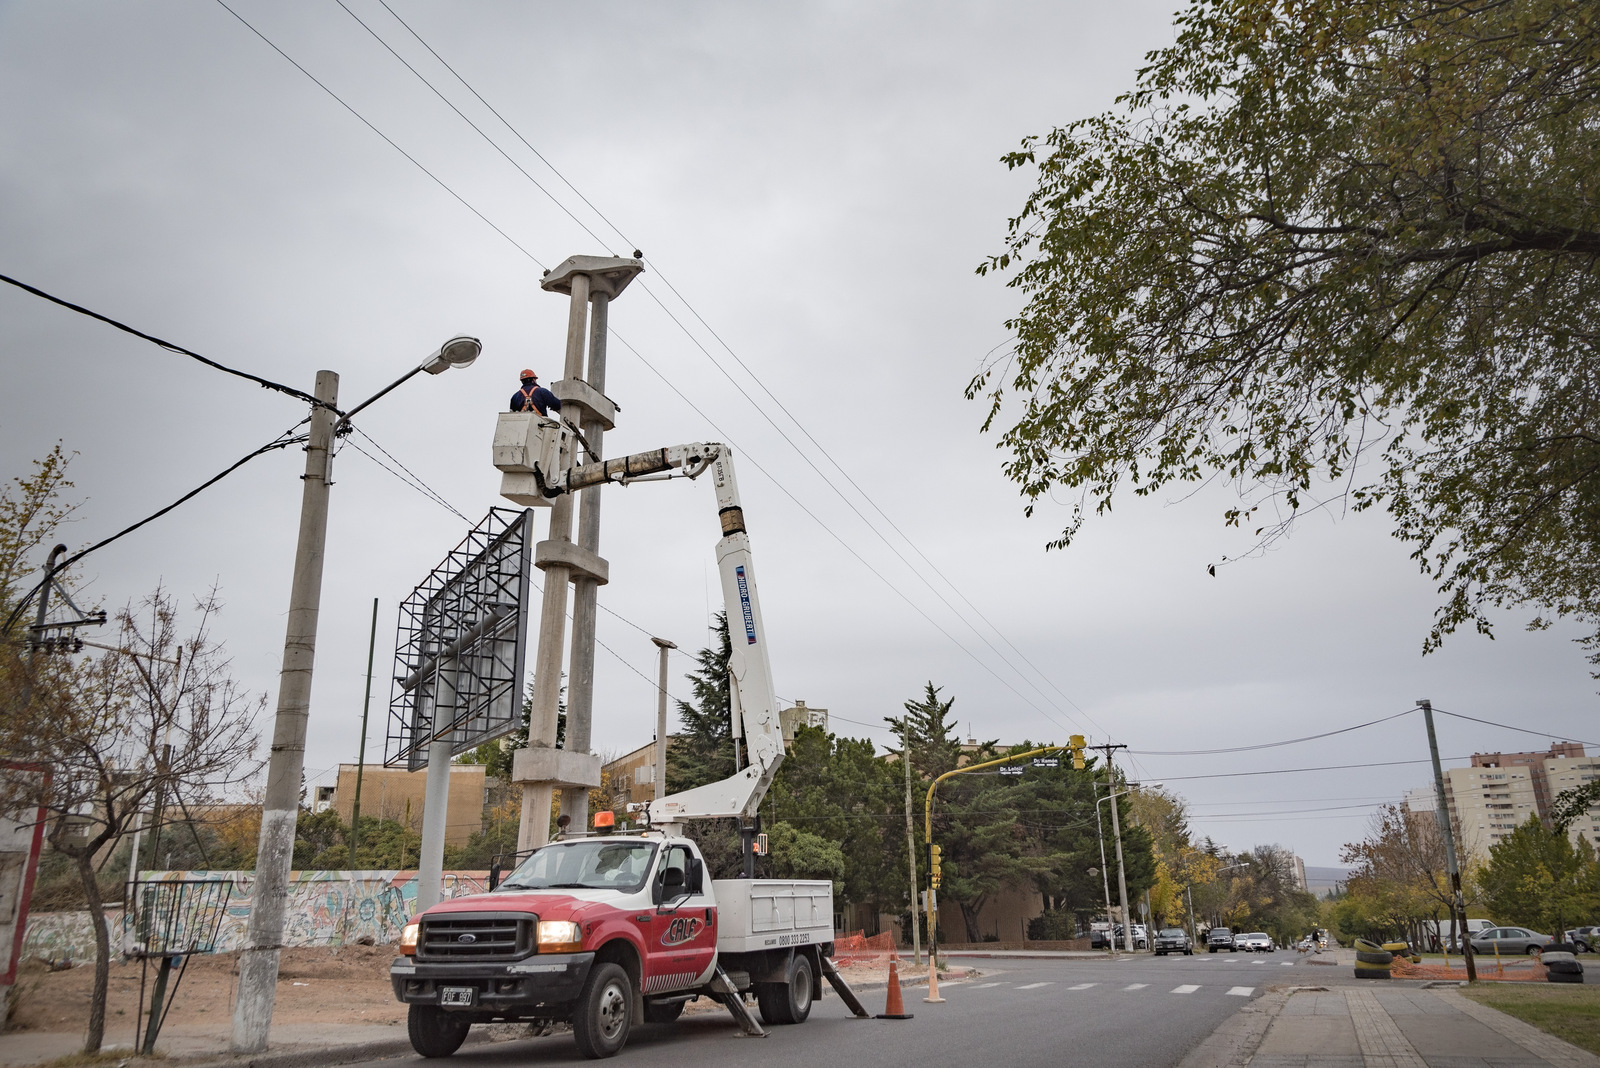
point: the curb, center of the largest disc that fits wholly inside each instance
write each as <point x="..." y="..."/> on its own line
<point x="1234" y="1042"/>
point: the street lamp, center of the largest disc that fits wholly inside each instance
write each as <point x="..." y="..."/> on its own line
<point x="258" y="965"/>
<point x="1122" y="876"/>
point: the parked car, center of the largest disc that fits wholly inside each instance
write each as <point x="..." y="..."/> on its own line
<point x="1099" y="939"/>
<point x="1510" y="940"/>
<point x="1173" y="940"/>
<point x="1584" y="939"/>
<point x="1220" y="938"/>
<point x="1255" y="942"/>
<point x="1141" y="937"/>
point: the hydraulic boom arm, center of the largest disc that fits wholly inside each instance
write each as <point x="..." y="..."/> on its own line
<point x="755" y="709"/>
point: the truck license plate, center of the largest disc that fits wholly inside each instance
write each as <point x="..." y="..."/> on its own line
<point x="456" y="995"/>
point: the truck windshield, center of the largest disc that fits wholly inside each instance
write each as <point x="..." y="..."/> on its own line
<point x="608" y="865"/>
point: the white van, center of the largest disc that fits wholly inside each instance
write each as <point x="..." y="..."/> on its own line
<point x="1436" y="933"/>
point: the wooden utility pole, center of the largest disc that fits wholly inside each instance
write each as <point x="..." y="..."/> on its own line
<point x="1460" y="904"/>
<point x="911" y="849"/>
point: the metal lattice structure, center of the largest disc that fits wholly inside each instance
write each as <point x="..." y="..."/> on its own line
<point x="462" y="643"/>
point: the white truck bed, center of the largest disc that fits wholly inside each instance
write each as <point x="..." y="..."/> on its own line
<point x="759" y="914"/>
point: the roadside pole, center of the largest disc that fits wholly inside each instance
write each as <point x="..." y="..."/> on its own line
<point x="1116" y="831"/>
<point x="258" y="963"/>
<point x="361" y="754"/>
<point x="661" y="720"/>
<point x="1449" y="842"/>
<point x="911" y="850"/>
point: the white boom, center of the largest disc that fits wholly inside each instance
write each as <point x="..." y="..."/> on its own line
<point x="755" y="708"/>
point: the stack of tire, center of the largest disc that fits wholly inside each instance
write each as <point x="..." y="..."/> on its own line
<point x="1561" y="964"/>
<point x="1403" y="949"/>
<point x="1372" y="960"/>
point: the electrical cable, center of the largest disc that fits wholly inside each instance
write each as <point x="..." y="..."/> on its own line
<point x="716" y="363"/>
<point x="265" y="383"/>
<point x="282" y="441"/>
<point x="1271" y="745"/>
<point x="441" y="182"/>
<point x="1509" y="727"/>
<point x="1296" y="771"/>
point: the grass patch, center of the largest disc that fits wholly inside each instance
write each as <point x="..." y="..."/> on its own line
<point x="1568" y="1011"/>
<point x="106" y="1058"/>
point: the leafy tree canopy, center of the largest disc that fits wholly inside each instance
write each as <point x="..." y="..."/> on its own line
<point x="1318" y="231"/>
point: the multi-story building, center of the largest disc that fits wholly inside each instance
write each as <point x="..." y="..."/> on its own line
<point x="1499" y="791"/>
<point x="1566" y="770"/>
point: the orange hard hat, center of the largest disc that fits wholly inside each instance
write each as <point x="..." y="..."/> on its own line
<point x="527" y="374"/>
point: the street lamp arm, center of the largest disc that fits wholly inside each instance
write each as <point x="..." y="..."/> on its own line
<point x="457" y="352"/>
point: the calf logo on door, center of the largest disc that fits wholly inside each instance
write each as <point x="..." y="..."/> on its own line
<point x="681" y="930"/>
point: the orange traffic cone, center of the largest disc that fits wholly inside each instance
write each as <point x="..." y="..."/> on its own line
<point x="895" y="1009"/>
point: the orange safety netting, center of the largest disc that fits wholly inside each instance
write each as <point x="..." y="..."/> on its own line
<point x="1525" y="969"/>
<point x="858" y="946"/>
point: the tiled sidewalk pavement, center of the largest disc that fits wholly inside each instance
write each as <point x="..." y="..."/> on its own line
<point x="1402" y="1027"/>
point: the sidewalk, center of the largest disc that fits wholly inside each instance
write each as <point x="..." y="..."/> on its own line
<point x="292" y="1045"/>
<point x="1380" y="1027"/>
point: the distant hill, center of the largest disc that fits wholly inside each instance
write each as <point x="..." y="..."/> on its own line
<point x="1321" y="880"/>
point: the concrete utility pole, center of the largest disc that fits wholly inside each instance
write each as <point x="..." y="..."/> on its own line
<point x="1451" y="863"/>
<point x="661" y="720"/>
<point x="541" y="768"/>
<point x="258" y="964"/>
<point x="911" y="848"/>
<point x="1116" y="831"/>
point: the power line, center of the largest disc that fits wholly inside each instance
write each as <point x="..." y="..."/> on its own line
<point x="1296" y="771"/>
<point x="716" y="363"/>
<point x="282" y="441"/>
<point x="1272" y="745"/>
<point x="265" y="383"/>
<point x="441" y="182"/>
<point x="1509" y="727"/>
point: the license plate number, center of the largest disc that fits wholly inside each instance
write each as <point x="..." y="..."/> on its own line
<point x="456" y="995"/>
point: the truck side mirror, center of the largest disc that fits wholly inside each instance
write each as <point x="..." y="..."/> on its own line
<point x="697" y="875"/>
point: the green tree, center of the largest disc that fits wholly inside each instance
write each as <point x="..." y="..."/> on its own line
<point x="1539" y="879"/>
<point x="703" y="751"/>
<point x="1319" y="230"/>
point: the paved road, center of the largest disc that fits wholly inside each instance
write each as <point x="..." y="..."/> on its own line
<point x="1139" y="1012"/>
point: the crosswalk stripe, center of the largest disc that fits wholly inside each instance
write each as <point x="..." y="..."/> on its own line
<point x="1136" y="986"/>
<point x="1033" y="986"/>
<point x="1186" y="988"/>
<point x="1286" y="963"/>
<point x="1258" y="962"/>
<point x="1082" y="986"/>
<point x="985" y="986"/>
<point x="1242" y="991"/>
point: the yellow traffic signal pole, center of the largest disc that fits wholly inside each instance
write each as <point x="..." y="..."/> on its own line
<point x="1075" y="745"/>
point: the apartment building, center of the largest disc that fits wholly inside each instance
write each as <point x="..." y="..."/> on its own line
<point x="1499" y="791"/>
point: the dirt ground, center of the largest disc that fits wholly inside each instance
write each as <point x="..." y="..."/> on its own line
<point x="345" y="985"/>
<point x="348" y="985"/>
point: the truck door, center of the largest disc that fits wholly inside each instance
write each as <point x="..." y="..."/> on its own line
<point x="683" y="934"/>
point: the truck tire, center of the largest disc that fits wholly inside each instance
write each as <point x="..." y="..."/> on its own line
<point x="434" y="1032"/>
<point x="1381" y="957"/>
<point x="604" y="1012"/>
<point x="790" y="1002"/>
<point x="663" y="1011"/>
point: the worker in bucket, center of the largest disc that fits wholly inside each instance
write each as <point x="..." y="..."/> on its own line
<point x="532" y="396"/>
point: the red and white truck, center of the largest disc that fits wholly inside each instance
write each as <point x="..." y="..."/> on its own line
<point x="605" y="932"/>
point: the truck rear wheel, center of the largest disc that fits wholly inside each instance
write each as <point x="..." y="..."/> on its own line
<point x="789" y="1002"/>
<point x="604" y="1013"/>
<point x="434" y="1032"/>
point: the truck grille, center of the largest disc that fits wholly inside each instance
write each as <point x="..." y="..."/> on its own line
<point x="476" y="936"/>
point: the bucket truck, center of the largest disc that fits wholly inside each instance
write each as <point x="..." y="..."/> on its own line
<point x="607" y="931"/>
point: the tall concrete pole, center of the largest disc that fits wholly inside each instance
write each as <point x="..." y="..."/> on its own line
<point x="1452" y="864"/>
<point x="536" y="797"/>
<point x="661" y="720"/>
<point x="1122" y="875"/>
<point x="258" y="964"/>
<point x="585" y="589"/>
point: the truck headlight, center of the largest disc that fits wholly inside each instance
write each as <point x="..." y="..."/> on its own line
<point x="408" y="939"/>
<point x="558" y="936"/>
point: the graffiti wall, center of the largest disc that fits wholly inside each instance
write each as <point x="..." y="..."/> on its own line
<point x="326" y="908"/>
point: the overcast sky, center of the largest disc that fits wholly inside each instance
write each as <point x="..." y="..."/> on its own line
<point x="819" y="182"/>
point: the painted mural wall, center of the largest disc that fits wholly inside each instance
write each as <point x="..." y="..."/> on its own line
<point x="326" y="908"/>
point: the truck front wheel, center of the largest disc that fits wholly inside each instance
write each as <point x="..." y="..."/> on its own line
<point x="789" y="1002"/>
<point x="604" y="1012"/>
<point x="434" y="1032"/>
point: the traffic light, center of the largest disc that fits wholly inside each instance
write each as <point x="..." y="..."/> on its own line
<point x="934" y="854"/>
<point x="1076" y="744"/>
